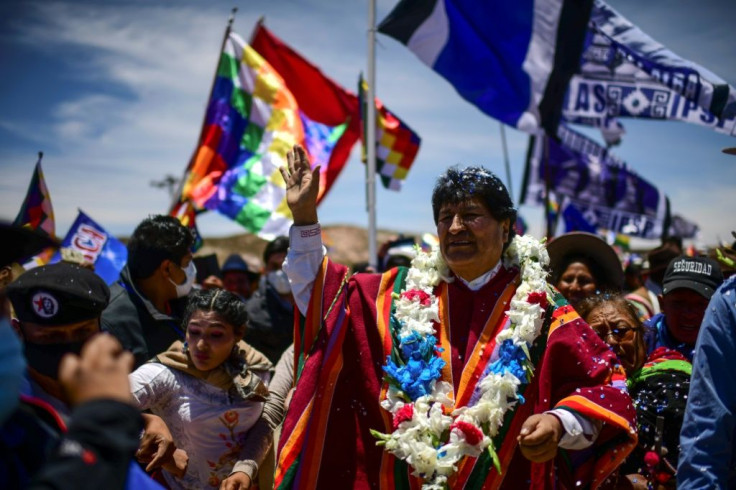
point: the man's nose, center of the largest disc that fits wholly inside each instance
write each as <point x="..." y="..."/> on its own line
<point x="457" y="224"/>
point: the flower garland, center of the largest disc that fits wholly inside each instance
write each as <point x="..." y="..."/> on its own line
<point x="429" y="433"/>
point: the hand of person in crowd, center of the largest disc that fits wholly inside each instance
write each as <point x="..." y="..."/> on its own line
<point x="157" y="445"/>
<point x="212" y="282"/>
<point x="302" y="186"/>
<point x="177" y="464"/>
<point x="101" y="371"/>
<point x="539" y="437"/>
<point x="236" y="481"/>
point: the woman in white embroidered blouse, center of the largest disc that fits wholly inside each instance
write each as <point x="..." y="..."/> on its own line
<point x="210" y="391"/>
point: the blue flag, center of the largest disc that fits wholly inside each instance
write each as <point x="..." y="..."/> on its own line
<point x="107" y="253"/>
<point x="574" y="218"/>
<point x="511" y="59"/>
<point x="605" y="191"/>
<point x="625" y="73"/>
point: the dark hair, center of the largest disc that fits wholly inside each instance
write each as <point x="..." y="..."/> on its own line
<point x="155" y="239"/>
<point x="456" y="186"/>
<point x="226" y="304"/>
<point x="277" y="245"/>
<point x="602" y="283"/>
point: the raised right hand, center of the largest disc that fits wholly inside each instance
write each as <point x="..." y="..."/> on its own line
<point x="302" y="186"/>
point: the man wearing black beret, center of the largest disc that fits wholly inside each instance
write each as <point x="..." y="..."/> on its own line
<point x="57" y="310"/>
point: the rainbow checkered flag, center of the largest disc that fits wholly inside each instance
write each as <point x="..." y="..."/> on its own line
<point x="252" y="121"/>
<point x="186" y="213"/>
<point x="36" y="212"/>
<point x="396" y="143"/>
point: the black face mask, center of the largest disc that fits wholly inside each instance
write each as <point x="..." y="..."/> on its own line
<point x="45" y="358"/>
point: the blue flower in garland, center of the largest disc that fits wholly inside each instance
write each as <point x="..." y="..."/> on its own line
<point x="414" y="346"/>
<point x="511" y="358"/>
<point x="415" y="378"/>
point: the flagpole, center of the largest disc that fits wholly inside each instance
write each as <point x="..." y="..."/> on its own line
<point x="180" y="188"/>
<point x="506" y="161"/>
<point x="370" y="171"/>
<point x="547" y="185"/>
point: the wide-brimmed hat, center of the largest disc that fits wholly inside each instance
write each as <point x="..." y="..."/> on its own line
<point x="586" y="246"/>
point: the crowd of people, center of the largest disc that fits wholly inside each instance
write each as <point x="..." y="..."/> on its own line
<point x="492" y="361"/>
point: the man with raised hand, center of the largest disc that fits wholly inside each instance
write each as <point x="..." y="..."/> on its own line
<point x="464" y="371"/>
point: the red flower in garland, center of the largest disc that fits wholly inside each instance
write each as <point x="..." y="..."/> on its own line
<point x="403" y="414"/>
<point x="416" y="294"/>
<point x="538" y="298"/>
<point x="472" y="434"/>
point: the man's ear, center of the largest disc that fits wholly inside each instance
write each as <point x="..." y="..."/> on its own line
<point x="164" y="268"/>
<point x="660" y="300"/>
<point x="506" y="227"/>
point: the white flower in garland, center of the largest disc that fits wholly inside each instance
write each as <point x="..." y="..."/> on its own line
<point x="419" y="402"/>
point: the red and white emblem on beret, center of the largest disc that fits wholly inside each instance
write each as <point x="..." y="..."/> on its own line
<point x="45" y="305"/>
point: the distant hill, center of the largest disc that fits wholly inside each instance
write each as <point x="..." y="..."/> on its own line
<point x="346" y="244"/>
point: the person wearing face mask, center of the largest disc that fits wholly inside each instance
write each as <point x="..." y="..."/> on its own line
<point x="271" y="307"/>
<point x="44" y="444"/>
<point x="147" y="302"/>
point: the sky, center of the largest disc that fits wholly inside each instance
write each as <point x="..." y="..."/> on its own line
<point x="114" y="93"/>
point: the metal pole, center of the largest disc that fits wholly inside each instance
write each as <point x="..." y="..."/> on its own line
<point x="547" y="187"/>
<point x="506" y="162"/>
<point x="370" y="143"/>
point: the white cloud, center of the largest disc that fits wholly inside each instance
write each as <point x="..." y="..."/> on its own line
<point x="140" y="73"/>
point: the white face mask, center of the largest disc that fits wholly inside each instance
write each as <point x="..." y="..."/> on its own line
<point x="184" y="288"/>
<point x="279" y="281"/>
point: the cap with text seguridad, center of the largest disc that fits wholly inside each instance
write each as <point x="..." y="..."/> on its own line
<point x="700" y="274"/>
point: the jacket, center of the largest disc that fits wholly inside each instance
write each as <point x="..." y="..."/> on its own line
<point x="137" y="324"/>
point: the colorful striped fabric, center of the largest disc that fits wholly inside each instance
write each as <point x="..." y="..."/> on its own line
<point x="251" y="123"/>
<point x="320" y="429"/>
<point x="36" y="212"/>
<point x="396" y="143"/>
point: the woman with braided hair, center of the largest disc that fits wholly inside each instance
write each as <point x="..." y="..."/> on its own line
<point x="210" y="391"/>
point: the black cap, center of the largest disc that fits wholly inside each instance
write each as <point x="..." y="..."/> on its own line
<point x="235" y="263"/>
<point x="58" y="294"/>
<point x="701" y="274"/>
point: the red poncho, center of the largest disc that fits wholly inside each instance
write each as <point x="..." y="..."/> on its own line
<point x="342" y="345"/>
